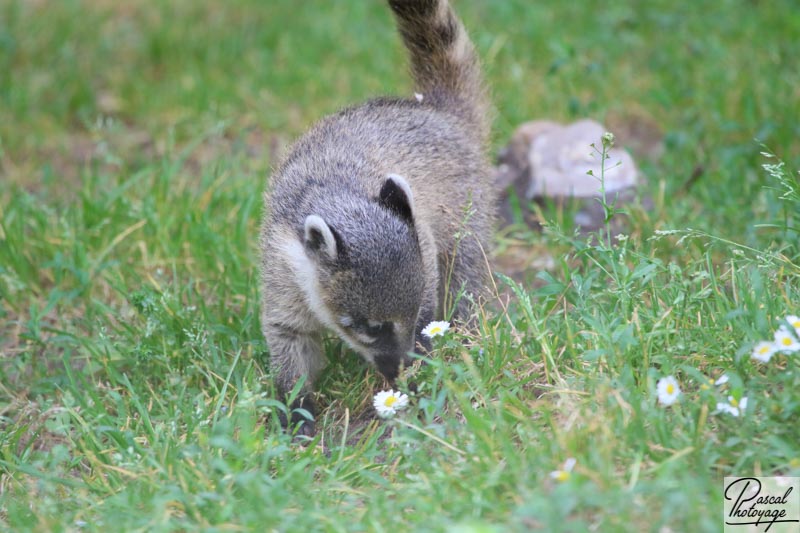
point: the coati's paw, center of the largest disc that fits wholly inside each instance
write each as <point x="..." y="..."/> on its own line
<point x="305" y="427"/>
<point x="297" y="422"/>
<point x="422" y="344"/>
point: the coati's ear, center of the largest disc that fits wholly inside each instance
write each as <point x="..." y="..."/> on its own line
<point x="319" y="237"/>
<point x="396" y="195"/>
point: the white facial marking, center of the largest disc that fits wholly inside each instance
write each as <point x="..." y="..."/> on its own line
<point x="306" y="276"/>
<point x="345" y="321"/>
<point x="366" y="339"/>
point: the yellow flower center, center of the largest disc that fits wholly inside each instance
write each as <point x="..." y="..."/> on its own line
<point x="786" y="341"/>
<point x="763" y="349"/>
<point x="561" y="475"/>
<point x="388" y="402"/>
<point x="435" y="330"/>
<point x="670" y="388"/>
<point x="734" y="402"/>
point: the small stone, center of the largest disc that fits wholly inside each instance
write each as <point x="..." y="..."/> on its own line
<point x="561" y="158"/>
<point x="545" y="159"/>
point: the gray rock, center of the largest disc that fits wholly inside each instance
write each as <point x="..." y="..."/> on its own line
<point x="545" y="159"/>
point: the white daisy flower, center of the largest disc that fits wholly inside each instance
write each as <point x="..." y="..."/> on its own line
<point x="794" y="321"/>
<point x="785" y="341"/>
<point x="734" y="407"/>
<point x="418" y="97"/>
<point x="436" y="328"/>
<point x="388" y="402"/>
<point x="668" y="390"/>
<point x="722" y="380"/>
<point x="565" y="472"/>
<point x="763" y="351"/>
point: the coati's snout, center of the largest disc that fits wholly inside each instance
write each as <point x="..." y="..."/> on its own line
<point x="386" y="343"/>
<point x="380" y="329"/>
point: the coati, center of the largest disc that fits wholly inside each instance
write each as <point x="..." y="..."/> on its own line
<point x="380" y="213"/>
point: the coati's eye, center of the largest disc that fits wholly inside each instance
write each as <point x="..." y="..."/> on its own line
<point x="376" y="329"/>
<point x="367" y="331"/>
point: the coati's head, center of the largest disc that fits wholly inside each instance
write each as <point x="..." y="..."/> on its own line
<point x="370" y="272"/>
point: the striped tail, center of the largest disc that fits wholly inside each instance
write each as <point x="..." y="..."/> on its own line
<point x="444" y="65"/>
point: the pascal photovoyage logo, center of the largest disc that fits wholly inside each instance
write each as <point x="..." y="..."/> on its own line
<point x="761" y="504"/>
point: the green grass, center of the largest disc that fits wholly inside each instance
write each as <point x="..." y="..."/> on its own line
<point x="135" y="141"/>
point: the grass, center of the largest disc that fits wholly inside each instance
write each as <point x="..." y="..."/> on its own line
<point x="135" y="141"/>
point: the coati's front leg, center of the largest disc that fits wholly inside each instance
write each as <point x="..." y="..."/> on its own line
<point x="295" y="355"/>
